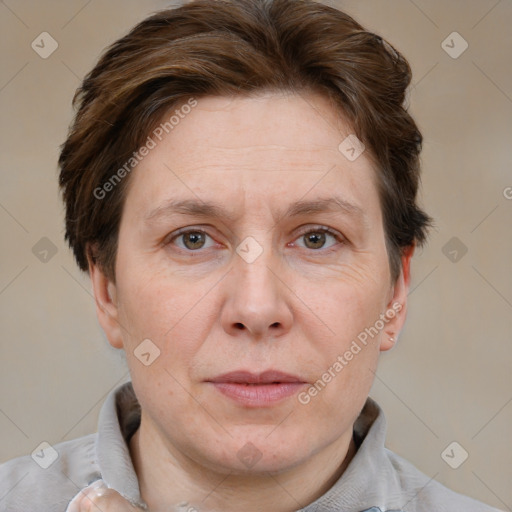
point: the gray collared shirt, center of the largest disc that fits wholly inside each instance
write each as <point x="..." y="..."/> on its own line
<point x="376" y="480"/>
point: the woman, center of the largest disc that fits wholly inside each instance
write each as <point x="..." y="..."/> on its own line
<point x="240" y="183"/>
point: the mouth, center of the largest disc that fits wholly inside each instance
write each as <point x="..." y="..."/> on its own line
<point x="257" y="389"/>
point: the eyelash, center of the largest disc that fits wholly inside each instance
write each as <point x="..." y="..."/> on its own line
<point x="316" y="229"/>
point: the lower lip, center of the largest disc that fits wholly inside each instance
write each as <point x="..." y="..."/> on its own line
<point x="258" y="395"/>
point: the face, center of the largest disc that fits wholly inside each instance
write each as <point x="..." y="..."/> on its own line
<point x="256" y="291"/>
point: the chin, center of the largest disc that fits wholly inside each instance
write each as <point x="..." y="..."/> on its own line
<point x="258" y="454"/>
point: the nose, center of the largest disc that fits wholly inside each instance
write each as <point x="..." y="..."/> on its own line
<point x="258" y="299"/>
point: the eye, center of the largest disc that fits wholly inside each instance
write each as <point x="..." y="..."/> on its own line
<point x="192" y="239"/>
<point x="316" y="238"/>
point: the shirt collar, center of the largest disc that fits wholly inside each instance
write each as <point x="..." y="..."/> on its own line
<point x="364" y="484"/>
<point x="118" y="420"/>
<point x="370" y="478"/>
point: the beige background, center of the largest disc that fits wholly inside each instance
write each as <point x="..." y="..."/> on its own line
<point x="448" y="379"/>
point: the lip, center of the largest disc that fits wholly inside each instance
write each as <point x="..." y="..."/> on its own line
<point x="266" y="377"/>
<point x="257" y="389"/>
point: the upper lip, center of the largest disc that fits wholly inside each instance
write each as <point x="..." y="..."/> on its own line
<point x="266" y="377"/>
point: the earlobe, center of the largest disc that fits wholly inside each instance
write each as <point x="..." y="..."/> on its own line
<point x="105" y="295"/>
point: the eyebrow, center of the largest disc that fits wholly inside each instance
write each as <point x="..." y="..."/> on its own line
<point x="198" y="208"/>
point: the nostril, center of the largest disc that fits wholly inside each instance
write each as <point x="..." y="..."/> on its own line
<point x="240" y="326"/>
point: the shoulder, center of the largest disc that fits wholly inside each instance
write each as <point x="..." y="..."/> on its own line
<point x="49" y="478"/>
<point x="424" y="494"/>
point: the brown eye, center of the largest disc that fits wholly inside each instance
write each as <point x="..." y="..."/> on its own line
<point x="191" y="240"/>
<point x="314" y="240"/>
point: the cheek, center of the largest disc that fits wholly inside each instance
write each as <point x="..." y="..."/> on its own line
<point x="350" y="302"/>
<point x="154" y="309"/>
<point x="170" y="312"/>
<point x="146" y="309"/>
<point x="347" y="312"/>
<point x="344" y="360"/>
<point x="149" y="299"/>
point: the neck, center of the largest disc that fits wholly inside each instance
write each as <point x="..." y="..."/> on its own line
<point x="167" y="479"/>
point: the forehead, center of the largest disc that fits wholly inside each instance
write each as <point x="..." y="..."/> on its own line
<point x="272" y="148"/>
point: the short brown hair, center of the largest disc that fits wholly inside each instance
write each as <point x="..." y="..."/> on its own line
<point x="237" y="47"/>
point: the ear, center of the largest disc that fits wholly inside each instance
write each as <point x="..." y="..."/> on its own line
<point x="397" y="306"/>
<point x="105" y="295"/>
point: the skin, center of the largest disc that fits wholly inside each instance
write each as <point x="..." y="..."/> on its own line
<point x="296" y="308"/>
